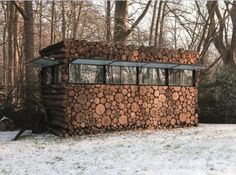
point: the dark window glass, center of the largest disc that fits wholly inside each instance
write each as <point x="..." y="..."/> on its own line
<point x="83" y="73"/>
<point x="48" y="76"/>
<point x="181" y="77"/>
<point x="56" y="74"/>
<point x="187" y="78"/>
<point x="152" y="76"/>
<point x="120" y="75"/>
<point x="113" y="75"/>
<point x="128" y="75"/>
<point x="174" y="77"/>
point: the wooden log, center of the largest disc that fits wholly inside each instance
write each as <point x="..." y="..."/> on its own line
<point x="162" y="98"/>
<point x="153" y="112"/>
<point x="100" y="109"/>
<point x="119" y="97"/>
<point x="58" y="123"/>
<point x="57" y="132"/>
<point x="123" y="120"/>
<point x="135" y="107"/>
<point x="182" y="117"/>
<point x="175" y="96"/>
<point x="106" y="121"/>
<point x="82" y="99"/>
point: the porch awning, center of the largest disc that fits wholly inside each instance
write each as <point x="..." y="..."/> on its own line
<point x="42" y="62"/>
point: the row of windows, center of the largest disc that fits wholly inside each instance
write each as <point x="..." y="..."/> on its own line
<point x="83" y="73"/>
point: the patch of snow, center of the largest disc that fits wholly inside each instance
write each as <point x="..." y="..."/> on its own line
<point x="204" y="150"/>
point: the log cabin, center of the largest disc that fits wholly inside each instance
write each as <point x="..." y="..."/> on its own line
<point x="96" y="87"/>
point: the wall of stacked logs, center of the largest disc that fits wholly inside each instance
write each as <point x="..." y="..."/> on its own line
<point x="77" y="109"/>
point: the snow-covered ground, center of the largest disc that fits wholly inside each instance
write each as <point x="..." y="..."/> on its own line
<point x="205" y="150"/>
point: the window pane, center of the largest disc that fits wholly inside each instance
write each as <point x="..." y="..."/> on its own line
<point x="85" y="73"/>
<point x="181" y="77"/>
<point x="187" y="77"/>
<point x="152" y="76"/>
<point x="174" y="77"/>
<point x="128" y="75"/>
<point x="113" y="74"/>
<point x="48" y="76"/>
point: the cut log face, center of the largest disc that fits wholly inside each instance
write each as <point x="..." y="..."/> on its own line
<point x="100" y="109"/>
<point x="82" y="99"/>
<point x="135" y="107"/>
<point x="153" y="112"/>
<point x="162" y="98"/>
<point x="77" y="107"/>
<point x="182" y="117"/>
<point x="119" y="97"/>
<point x="106" y="121"/>
<point x="175" y="96"/>
<point x="123" y="120"/>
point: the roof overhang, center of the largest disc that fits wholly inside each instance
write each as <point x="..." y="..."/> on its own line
<point x="42" y="62"/>
<point x="160" y="65"/>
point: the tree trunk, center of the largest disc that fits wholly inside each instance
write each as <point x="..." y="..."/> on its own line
<point x="77" y="19"/>
<point x="152" y="24"/>
<point x="40" y="24"/>
<point x="29" y="47"/>
<point x="52" y="22"/>
<point x="63" y="25"/>
<point x="10" y="30"/>
<point x="121" y="31"/>
<point x="160" y="41"/>
<point x="157" y="23"/>
<point x="108" y="21"/>
<point x="121" y="20"/>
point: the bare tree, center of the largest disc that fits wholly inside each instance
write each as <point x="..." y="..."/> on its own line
<point x="121" y="30"/>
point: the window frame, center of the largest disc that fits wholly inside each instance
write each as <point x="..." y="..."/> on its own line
<point x="103" y="79"/>
<point x="167" y="75"/>
<point x="193" y="78"/>
<point x="54" y="73"/>
<point x="152" y="84"/>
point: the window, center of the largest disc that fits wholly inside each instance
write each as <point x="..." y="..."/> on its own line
<point x="113" y="75"/>
<point x="187" y="78"/>
<point x="152" y="76"/>
<point x="174" y="77"/>
<point x="48" y="76"/>
<point x="121" y="75"/>
<point x="181" y="77"/>
<point x="128" y="75"/>
<point x="51" y="75"/>
<point x="84" y="73"/>
<point x="56" y="74"/>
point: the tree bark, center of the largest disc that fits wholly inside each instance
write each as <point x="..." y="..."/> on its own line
<point x="157" y="23"/>
<point x="27" y="14"/>
<point x="77" y="19"/>
<point x="228" y="53"/>
<point x="40" y="24"/>
<point x="52" y="22"/>
<point x="108" y="21"/>
<point x="152" y="24"/>
<point x="63" y="25"/>
<point x="121" y="20"/>
<point x="160" y="41"/>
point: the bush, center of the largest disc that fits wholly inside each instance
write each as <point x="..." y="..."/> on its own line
<point x="217" y="99"/>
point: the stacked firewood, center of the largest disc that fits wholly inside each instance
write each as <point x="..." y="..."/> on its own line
<point x="100" y="108"/>
<point x="118" y="51"/>
<point x="77" y="109"/>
